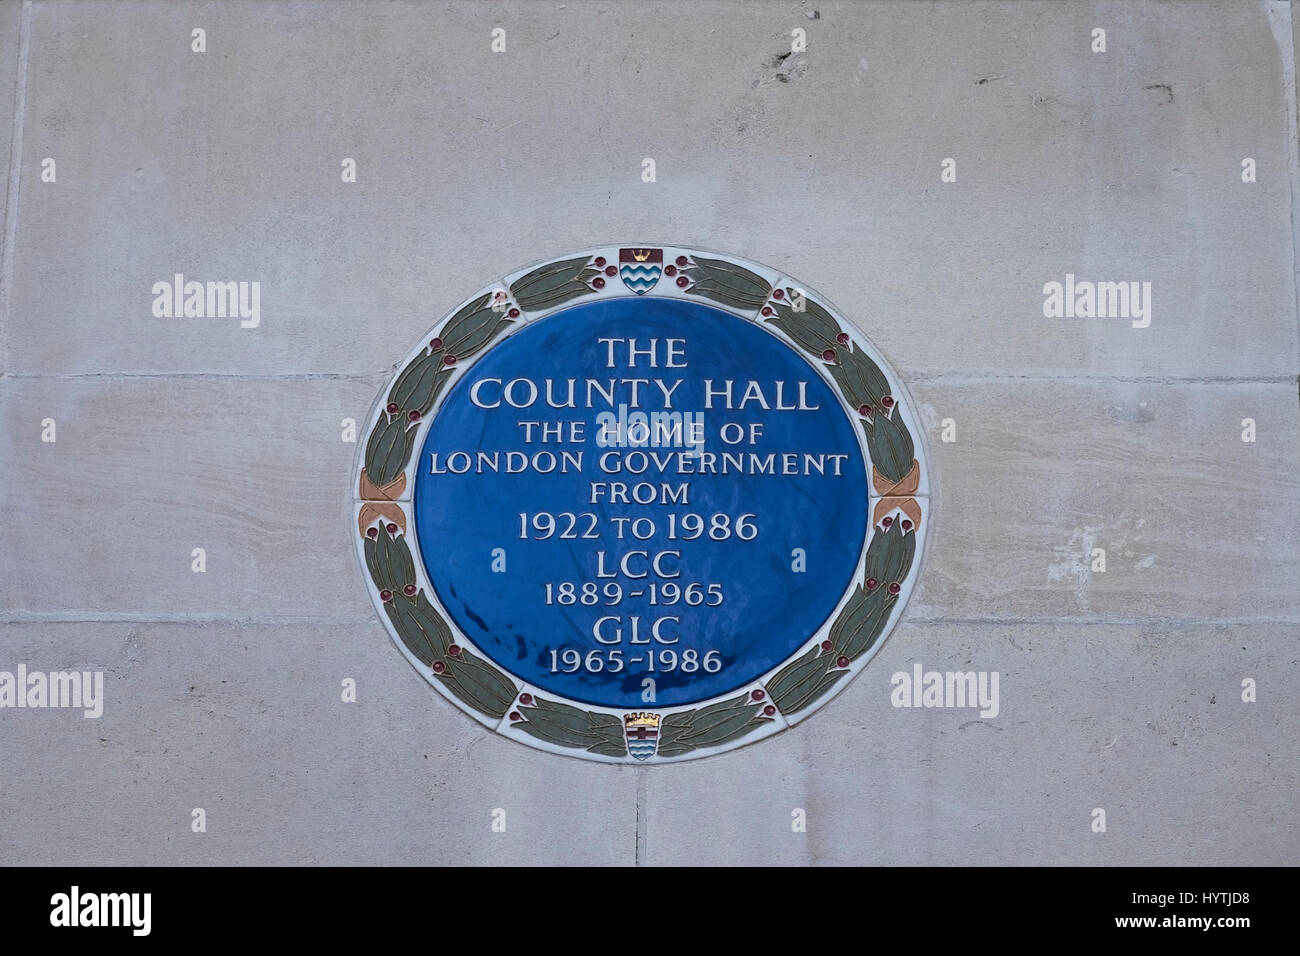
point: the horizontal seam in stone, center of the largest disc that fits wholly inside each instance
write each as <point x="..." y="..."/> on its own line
<point x="54" y="617"/>
<point x="1105" y="621"/>
<point x="269" y="376"/>
<point x="955" y="378"/>
<point x="38" y="617"/>
<point x="1047" y="378"/>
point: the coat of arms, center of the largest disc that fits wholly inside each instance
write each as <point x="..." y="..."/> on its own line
<point x="642" y="734"/>
<point x="640" y="269"/>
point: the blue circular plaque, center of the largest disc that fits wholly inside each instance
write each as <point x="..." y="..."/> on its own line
<point x="648" y="507"/>
<point x="641" y="503"/>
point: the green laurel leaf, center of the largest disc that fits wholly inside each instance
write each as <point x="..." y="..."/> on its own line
<point x="810" y="667"/>
<point x="727" y="283"/>
<point x="426" y="634"/>
<point x="420" y="627"/>
<point x="392" y="440"/>
<point x="709" y="726"/>
<point x="419" y="382"/>
<point x="478" y="684"/>
<point x="554" y="283"/>
<point x="858" y="627"/>
<point x="809" y="691"/>
<point x="389" y="560"/>
<point x="861" y="622"/>
<point x="860" y="379"/>
<point x="568" y="726"/>
<point x="389" y="448"/>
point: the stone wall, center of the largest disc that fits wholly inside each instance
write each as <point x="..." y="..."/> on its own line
<point x="1120" y="690"/>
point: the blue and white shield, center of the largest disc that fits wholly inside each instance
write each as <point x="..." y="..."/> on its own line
<point x="642" y="731"/>
<point x="640" y="269"/>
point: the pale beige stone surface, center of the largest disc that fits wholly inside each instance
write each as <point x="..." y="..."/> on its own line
<point x="11" y="92"/>
<point x="247" y="722"/>
<point x="226" y="165"/>
<point x="1119" y="690"/>
<point x="1146" y="723"/>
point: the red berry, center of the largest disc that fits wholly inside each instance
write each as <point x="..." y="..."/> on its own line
<point x="410" y="590"/>
<point x="393" y="408"/>
<point x="907" y="525"/>
<point x="842" y="338"/>
<point x="611" y="271"/>
<point x="841" y="661"/>
<point x="864" y="411"/>
<point x="454" y="650"/>
<point x="767" y="310"/>
<point x="513" y="313"/>
<point x="598" y="283"/>
<point x="871" y="584"/>
<point x="413" y="415"/>
<point x="390" y="528"/>
<point x="769" y="710"/>
<point x="756" y="695"/>
<point x="439" y="667"/>
<point x="682" y="282"/>
<point x="514" y="715"/>
<point x="887" y="521"/>
<point x="385" y="595"/>
<point x="600" y="262"/>
<point x="526" y="699"/>
<point x="778" y="293"/>
<point x="828" y="355"/>
<point x="670" y="270"/>
<point x="887" y="401"/>
<point x="894" y="588"/>
<point x="449" y="360"/>
<point x="435" y="344"/>
<point x="682" y="260"/>
<point x="828" y="646"/>
<point x="372" y="532"/>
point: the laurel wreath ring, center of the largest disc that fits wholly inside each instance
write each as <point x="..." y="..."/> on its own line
<point x="492" y="694"/>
